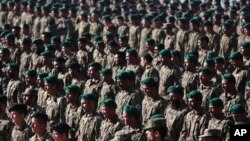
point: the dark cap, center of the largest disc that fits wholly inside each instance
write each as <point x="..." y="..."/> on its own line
<point x="61" y="128"/>
<point x="18" y="107"/>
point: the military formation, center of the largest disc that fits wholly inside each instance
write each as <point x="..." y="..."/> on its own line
<point x="123" y="70"/>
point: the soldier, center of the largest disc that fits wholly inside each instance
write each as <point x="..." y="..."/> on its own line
<point x="25" y="56"/>
<point x="72" y="115"/>
<point x="214" y="38"/>
<point x="158" y="33"/>
<point x="59" y="69"/>
<point x="207" y="87"/>
<point x="55" y="104"/>
<point x="60" y="132"/>
<point x="91" y="121"/>
<point x="30" y="100"/>
<point x="113" y="48"/>
<point x="3" y="14"/>
<point x="45" y="18"/>
<point x="5" y="123"/>
<point x="169" y="74"/>
<point x="170" y="38"/>
<point x="196" y="121"/>
<point x="131" y="117"/>
<point x="175" y="111"/>
<point x="21" y="130"/>
<point x="127" y="95"/>
<point x="203" y="51"/>
<point x="74" y="76"/>
<point x="241" y="72"/>
<point x="156" y="129"/>
<point x="111" y="122"/>
<point x="46" y="61"/>
<point x="134" y="31"/>
<point x="65" y="25"/>
<point x="123" y="42"/>
<point x="83" y="25"/>
<point x="228" y="41"/>
<point x="119" y="63"/>
<point x="149" y="70"/>
<point x="122" y="27"/>
<point x="218" y="119"/>
<point x="37" y="23"/>
<point x="96" y="27"/>
<point x="37" y="48"/>
<point x="83" y="56"/>
<point x="39" y="127"/>
<point x="153" y="103"/>
<point x="15" y="51"/>
<point x="239" y="115"/>
<point x="15" y="86"/>
<point x="93" y="84"/>
<point x="30" y="79"/>
<point x="230" y="96"/>
<point x="145" y="32"/>
<point x="190" y="76"/>
<point x="30" y="17"/>
<point x="245" y="51"/>
<point x="211" y="135"/>
<point x="133" y="64"/>
<point x="109" y="89"/>
<point x="41" y="94"/>
<point x="99" y="55"/>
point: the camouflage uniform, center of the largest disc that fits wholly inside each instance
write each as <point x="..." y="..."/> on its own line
<point x="108" y="129"/>
<point x="241" y="76"/>
<point x="89" y="127"/>
<point x="31" y="111"/>
<point x="14" y="89"/>
<point x="45" y="137"/>
<point x="150" y="71"/>
<point x="5" y="129"/>
<point x="175" y="118"/>
<point x="152" y="106"/>
<point x="134" y="36"/>
<point x="189" y="82"/>
<point x="92" y="86"/>
<point x="194" y="125"/>
<point x="22" y="133"/>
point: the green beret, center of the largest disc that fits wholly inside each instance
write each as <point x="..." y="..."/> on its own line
<point x="66" y="44"/>
<point x="30" y="92"/>
<point x="155" y="123"/>
<point x="150" y="41"/>
<point x="216" y="102"/>
<point x="147" y="18"/>
<point x="191" y="58"/>
<point x="106" y="17"/>
<point x="41" y="115"/>
<point x="109" y="34"/>
<point x="88" y="96"/>
<point x="42" y="75"/>
<point x="31" y="73"/>
<point x="206" y="71"/>
<point x="149" y="81"/>
<point x="123" y="37"/>
<point x="195" y="21"/>
<point x="61" y="128"/>
<point x="195" y="95"/>
<point x="131" y="110"/>
<point x="3" y="99"/>
<point x="4" y="33"/>
<point x="245" y="44"/>
<point x="132" y="51"/>
<point x="10" y="36"/>
<point x="50" y="47"/>
<point x="46" y="54"/>
<point x="13" y="66"/>
<point x="74" y="66"/>
<point x="175" y="89"/>
<point x="219" y="59"/>
<point x="73" y="89"/>
<point x="236" y="56"/>
<point x="97" y="38"/>
<point x="5" y="50"/>
<point x="38" y="41"/>
<point x="156" y="116"/>
<point x="175" y="53"/>
<point x="96" y="65"/>
<point x="132" y="16"/>
<point x="237" y="108"/>
<point x="229" y="77"/>
<point x="100" y="44"/>
<point x="18" y="107"/>
<point x="106" y="71"/>
<point x="208" y="23"/>
<point x="247" y="26"/>
<point x="109" y="103"/>
<point x="122" y="75"/>
<point x="210" y="62"/>
<point x="131" y="74"/>
<point x="165" y="53"/>
<point x="51" y="79"/>
<point x="248" y="83"/>
<point x="56" y="38"/>
<point x="119" y="17"/>
<point x="27" y="41"/>
<point x="113" y="43"/>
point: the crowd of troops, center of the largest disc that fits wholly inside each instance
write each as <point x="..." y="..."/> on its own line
<point x="101" y="70"/>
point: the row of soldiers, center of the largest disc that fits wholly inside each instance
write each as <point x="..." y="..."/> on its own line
<point x="123" y="71"/>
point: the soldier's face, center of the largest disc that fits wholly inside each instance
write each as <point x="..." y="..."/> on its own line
<point x="174" y="97"/>
<point x="204" y="78"/>
<point x="37" y="126"/>
<point x="151" y="135"/>
<point x="92" y="72"/>
<point x="58" y="136"/>
<point x="143" y="62"/>
<point x="122" y="83"/>
<point x="17" y="117"/>
<point x="126" y="118"/>
<point x="192" y="103"/>
<point x="70" y="97"/>
<point x="225" y="84"/>
<point x="215" y="111"/>
<point x="50" y="88"/>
